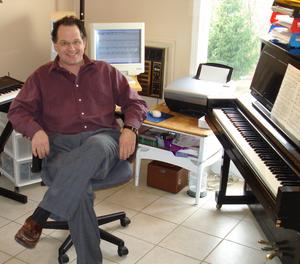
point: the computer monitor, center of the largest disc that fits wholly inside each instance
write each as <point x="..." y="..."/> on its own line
<point x="120" y="44"/>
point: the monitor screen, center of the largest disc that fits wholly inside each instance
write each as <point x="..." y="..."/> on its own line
<point x="120" y="44"/>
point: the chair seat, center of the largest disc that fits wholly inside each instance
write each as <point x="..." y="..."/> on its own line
<point x="120" y="173"/>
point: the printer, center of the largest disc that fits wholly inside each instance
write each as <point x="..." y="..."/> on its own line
<point x="193" y="96"/>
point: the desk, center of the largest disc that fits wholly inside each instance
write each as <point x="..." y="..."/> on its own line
<point x="210" y="149"/>
<point x="135" y="85"/>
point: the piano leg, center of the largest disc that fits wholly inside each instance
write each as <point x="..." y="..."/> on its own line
<point x="4" y="192"/>
<point x="221" y="197"/>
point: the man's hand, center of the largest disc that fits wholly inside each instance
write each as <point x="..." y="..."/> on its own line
<point x="126" y="143"/>
<point x="40" y="144"/>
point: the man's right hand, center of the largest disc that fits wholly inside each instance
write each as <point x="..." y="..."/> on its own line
<point x="40" y="144"/>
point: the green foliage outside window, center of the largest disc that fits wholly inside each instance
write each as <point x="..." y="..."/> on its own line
<point x="232" y="38"/>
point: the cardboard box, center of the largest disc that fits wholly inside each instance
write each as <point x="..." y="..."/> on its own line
<point x="166" y="177"/>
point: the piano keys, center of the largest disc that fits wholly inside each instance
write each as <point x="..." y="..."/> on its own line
<point x="9" y="88"/>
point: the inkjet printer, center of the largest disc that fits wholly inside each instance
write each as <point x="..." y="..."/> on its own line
<point x="194" y="96"/>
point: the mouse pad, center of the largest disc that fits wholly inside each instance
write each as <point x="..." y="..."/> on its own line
<point x="163" y="117"/>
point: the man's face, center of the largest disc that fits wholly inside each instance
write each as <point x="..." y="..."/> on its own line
<point x="69" y="46"/>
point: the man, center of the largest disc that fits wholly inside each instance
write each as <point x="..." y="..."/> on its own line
<point x="66" y="107"/>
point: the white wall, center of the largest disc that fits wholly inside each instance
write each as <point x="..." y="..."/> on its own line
<point x="25" y="29"/>
<point x="25" y="36"/>
<point x="166" y="21"/>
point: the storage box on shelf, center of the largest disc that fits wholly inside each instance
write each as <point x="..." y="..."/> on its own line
<point x="16" y="159"/>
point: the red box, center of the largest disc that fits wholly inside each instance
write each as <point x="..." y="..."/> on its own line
<point x="166" y="177"/>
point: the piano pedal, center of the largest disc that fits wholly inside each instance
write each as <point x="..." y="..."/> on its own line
<point x="269" y="248"/>
<point x="273" y="254"/>
<point x="265" y="242"/>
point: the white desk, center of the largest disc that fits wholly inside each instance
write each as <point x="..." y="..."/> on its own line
<point x="210" y="150"/>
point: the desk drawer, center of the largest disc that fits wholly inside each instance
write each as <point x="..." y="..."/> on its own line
<point x="166" y="177"/>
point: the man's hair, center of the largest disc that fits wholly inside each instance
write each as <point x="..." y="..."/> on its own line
<point x="68" y="21"/>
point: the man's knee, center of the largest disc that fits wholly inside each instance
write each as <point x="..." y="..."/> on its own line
<point x="102" y="143"/>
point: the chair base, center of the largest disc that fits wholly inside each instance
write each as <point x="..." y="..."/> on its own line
<point x="67" y="244"/>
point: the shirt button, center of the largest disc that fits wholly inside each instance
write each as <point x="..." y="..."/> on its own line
<point x="82" y="113"/>
<point x="85" y="126"/>
<point x="79" y="100"/>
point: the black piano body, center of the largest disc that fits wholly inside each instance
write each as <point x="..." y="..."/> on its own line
<point x="276" y="210"/>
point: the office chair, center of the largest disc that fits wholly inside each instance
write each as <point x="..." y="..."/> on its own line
<point x="119" y="174"/>
<point x="223" y="76"/>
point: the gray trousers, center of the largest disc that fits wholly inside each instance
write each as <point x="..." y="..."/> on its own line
<point x="73" y="161"/>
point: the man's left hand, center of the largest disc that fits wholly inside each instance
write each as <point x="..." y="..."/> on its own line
<point x="127" y="143"/>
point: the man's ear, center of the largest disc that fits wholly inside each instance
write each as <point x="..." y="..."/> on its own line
<point x="84" y="43"/>
<point x="55" y="46"/>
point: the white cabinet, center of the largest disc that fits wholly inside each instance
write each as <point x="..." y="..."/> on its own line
<point x="15" y="160"/>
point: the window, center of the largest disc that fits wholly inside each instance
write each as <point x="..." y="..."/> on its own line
<point x="229" y="32"/>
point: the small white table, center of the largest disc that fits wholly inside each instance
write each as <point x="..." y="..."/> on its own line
<point x="210" y="149"/>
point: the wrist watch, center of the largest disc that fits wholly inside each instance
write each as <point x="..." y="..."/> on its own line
<point x="133" y="129"/>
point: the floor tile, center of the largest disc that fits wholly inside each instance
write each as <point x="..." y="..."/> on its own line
<point x="137" y="249"/>
<point x="170" y="210"/>
<point x="133" y="198"/>
<point x="12" y="210"/>
<point x="183" y="197"/>
<point x="34" y="192"/>
<point x="107" y="207"/>
<point x="8" y="244"/>
<point x="46" y="251"/>
<point x="231" y="253"/>
<point x="15" y="261"/>
<point x="163" y="256"/>
<point x="100" y="195"/>
<point x="4" y="221"/>
<point x="4" y="257"/>
<point x="148" y="228"/>
<point x="247" y="233"/>
<point x="190" y="242"/>
<point x="212" y="222"/>
<point x="237" y="211"/>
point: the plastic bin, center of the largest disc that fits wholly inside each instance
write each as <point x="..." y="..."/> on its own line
<point x="18" y="172"/>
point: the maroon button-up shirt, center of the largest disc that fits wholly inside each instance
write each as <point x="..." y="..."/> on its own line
<point x="57" y="101"/>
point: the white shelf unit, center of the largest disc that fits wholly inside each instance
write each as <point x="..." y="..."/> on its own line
<point x="210" y="151"/>
<point x="15" y="160"/>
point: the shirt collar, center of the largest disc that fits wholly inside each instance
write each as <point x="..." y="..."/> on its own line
<point x="55" y="64"/>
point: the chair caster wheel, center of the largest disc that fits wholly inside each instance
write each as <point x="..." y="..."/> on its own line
<point x="219" y="206"/>
<point x="63" y="259"/>
<point x="125" y="221"/>
<point x="122" y="251"/>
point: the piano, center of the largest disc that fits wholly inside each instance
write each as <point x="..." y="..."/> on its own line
<point x="9" y="88"/>
<point x="267" y="157"/>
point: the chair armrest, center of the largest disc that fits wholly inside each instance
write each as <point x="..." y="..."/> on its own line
<point x="36" y="164"/>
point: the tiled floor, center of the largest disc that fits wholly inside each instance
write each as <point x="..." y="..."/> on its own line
<point x="165" y="228"/>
